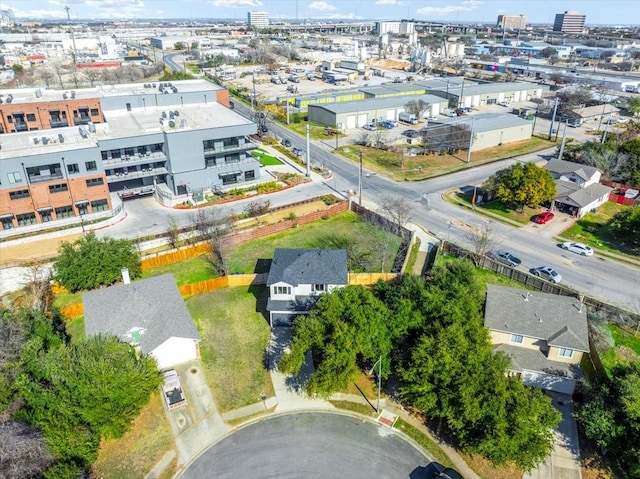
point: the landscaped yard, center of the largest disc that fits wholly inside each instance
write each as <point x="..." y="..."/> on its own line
<point x="266" y="159"/>
<point x="592" y="229"/>
<point x="133" y="455"/>
<point x="234" y="333"/>
<point x="189" y="271"/>
<point x="399" y="167"/>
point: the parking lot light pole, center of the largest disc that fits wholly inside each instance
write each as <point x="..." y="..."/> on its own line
<point x="308" y="151"/>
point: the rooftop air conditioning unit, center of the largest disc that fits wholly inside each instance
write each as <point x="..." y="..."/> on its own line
<point x="60" y="137"/>
<point x="92" y="127"/>
<point x="164" y="114"/>
<point x="73" y="94"/>
<point x="172" y="124"/>
<point x="45" y="140"/>
<point x="38" y="93"/>
<point x="36" y="140"/>
<point x="176" y="113"/>
<point x="65" y="95"/>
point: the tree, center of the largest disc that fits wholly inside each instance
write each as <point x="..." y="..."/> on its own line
<point x="212" y="226"/>
<point x="180" y="46"/>
<point x="481" y="239"/>
<point x="23" y="451"/>
<point x="79" y="393"/>
<point x="548" y="52"/>
<point x="398" y="210"/>
<point x="523" y="185"/>
<point x="626" y="224"/>
<point x="633" y="105"/>
<point x="347" y="328"/>
<point x="90" y="262"/>
<point x="417" y="107"/>
<point x="610" y="415"/>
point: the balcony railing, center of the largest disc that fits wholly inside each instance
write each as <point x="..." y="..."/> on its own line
<point x="43" y="178"/>
<point x="81" y="120"/>
<point x="58" y="123"/>
<point x="115" y="177"/>
<point x="135" y="159"/>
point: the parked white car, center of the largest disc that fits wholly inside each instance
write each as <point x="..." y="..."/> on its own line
<point x="578" y="248"/>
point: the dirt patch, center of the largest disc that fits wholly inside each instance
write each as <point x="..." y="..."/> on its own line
<point x="46" y="248"/>
<point x="389" y="64"/>
<point x="626" y="354"/>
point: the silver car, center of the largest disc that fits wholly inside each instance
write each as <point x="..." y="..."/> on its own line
<point x="507" y="258"/>
<point x="546" y="272"/>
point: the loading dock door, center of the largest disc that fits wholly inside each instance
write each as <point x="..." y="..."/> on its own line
<point x="351" y="121"/>
<point x="362" y="119"/>
<point x="391" y="115"/>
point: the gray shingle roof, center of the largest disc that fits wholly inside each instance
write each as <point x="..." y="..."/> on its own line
<point x="562" y="167"/>
<point x="570" y="193"/>
<point x="154" y="305"/>
<point x="308" y="266"/>
<point x="559" y="320"/>
<point x="525" y="359"/>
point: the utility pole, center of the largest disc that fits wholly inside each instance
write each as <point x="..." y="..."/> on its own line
<point x="473" y="122"/>
<point x="253" y="95"/>
<point x="360" y="181"/>
<point x="564" y="138"/>
<point x="553" y="118"/>
<point x="606" y="128"/>
<point x="287" y="109"/>
<point x="73" y="38"/>
<point x="308" y="151"/>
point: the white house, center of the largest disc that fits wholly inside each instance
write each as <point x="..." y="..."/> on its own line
<point x="149" y="314"/>
<point x="578" y="187"/>
<point x="298" y="277"/>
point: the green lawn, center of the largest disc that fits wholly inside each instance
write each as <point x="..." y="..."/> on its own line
<point x="234" y="333"/>
<point x="188" y="271"/>
<point x="266" y="160"/>
<point x="486" y="276"/>
<point x="626" y="348"/>
<point x="592" y="229"/>
<point x="425" y="441"/>
<point x="75" y="329"/>
<point x="254" y="256"/>
<point x="496" y="207"/>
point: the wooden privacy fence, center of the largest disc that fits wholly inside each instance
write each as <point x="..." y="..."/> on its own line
<point x="76" y="310"/>
<point x="187" y="252"/>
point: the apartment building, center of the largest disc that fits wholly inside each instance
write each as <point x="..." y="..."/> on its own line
<point x="569" y="22"/>
<point x="258" y="19"/>
<point x="172" y="140"/>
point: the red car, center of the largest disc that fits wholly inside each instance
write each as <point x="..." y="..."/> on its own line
<point x="544" y="217"/>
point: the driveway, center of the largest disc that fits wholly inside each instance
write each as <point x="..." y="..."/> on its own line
<point x="564" y="461"/>
<point x="198" y="424"/>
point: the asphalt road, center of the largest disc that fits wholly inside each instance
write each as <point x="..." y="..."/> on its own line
<point x="312" y="445"/>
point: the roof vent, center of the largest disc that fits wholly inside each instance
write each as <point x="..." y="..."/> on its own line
<point x="171" y="115"/>
<point x="92" y="127"/>
<point x="9" y="99"/>
<point x="176" y="113"/>
<point x="164" y="114"/>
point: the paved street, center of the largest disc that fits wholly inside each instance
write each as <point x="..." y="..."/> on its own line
<point x="311" y="445"/>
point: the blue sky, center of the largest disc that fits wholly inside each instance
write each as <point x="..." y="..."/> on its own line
<point x="621" y="12"/>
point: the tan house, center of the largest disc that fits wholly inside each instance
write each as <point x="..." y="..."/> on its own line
<point x="544" y="335"/>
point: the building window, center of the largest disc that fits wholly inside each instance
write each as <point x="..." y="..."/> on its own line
<point x="14" y="177"/>
<point x="565" y="353"/>
<point x="73" y="168"/>
<point x="59" y="188"/>
<point x="249" y="175"/>
<point x="16" y="195"/>
<point x="128" y="105"/>
<point x="283" y="290"/>
<point x="64" y="212"/>
<point x="229" y="179"/>
<point x="31" y="117"/>
<point x="209" y="161"/>
<point x="95" y="182"/>
<point x="26" y="219"/>
<point x="83" y="208"/>
<point x="7" y="223"/>
<point x="230" y="142"/>
<point x="516" y="338"/>
<point x="232" y="159"/>
<point x="99" y="205"/>
<point x="44" y="172"/>
<point x="90" y="165"/>
<point x="94" y="112"/>
<point x="46" y="215"/>
<point x="318" y="288"/>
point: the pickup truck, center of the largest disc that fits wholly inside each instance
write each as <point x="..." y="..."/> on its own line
<point x="172" y="390"/>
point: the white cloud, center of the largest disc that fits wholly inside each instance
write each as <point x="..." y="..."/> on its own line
<point x="236" y="3"/>
<point x="466" y="6"/>
<point x="388" y="2"/>
<point x="323" y="6"/>
<point x="337" y="16"/>
<point x="45" y="14"/>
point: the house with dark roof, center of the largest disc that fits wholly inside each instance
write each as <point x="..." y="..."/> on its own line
<point x="578" y="188"/>
<point x="298" y="277"/>
<point x="149" y="314"/>
<point x="544" y="335"/>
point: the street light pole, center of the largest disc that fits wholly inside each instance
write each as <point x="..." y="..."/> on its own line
<point x="360" y="181"/>
<point x="473" y="122"/>
<point x="379" y="363"/>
